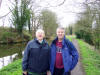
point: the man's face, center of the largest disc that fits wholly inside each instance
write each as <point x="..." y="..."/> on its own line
<point x="60" y="33"/>
<point x="40" y="35"/>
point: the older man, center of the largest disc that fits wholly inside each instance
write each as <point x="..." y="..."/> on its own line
<point x="36" y="56"/>
<point x="64" y="55"/>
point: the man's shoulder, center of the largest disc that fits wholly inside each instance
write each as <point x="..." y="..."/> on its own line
<point x="67" y="41"/>
<point x="31" y="42"/>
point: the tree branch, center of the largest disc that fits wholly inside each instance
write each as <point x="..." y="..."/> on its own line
<point x="61" y="3"/>
<point x="4" y="15"/>
<point x="0" y="2"/>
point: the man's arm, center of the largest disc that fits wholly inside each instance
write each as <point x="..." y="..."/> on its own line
<point x="25" y="59"/>
<point x="74" y="54"/>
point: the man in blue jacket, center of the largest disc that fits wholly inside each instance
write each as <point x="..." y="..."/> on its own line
<point x="64" y="55"/>
<point x="36" y="56"/>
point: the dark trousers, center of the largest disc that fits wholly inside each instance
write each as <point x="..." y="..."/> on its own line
<point x="60" y="72"/>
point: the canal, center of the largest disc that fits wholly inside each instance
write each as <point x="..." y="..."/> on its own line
<point x="10" y="53"/>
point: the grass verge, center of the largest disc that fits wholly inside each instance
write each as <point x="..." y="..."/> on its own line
<point x="90" y="59"/>
<point x="12" y="69"/>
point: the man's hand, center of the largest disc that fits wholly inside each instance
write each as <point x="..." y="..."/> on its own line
<point x="25" y="72"/>
<point x="48" y="73"/>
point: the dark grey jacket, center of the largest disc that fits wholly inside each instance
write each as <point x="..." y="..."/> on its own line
<point x="36" y="57"/>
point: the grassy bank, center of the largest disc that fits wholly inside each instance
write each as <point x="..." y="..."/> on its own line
<point x="8" y="35"/>
<point x="12" y="69"/>
<point x="90" y="59"/>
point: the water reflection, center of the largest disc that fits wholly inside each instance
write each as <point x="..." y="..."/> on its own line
<point x="9" y="53"/>
<point x="6" y="60"/>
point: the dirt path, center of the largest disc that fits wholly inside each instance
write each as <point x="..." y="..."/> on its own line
<point x="78" y="70"/>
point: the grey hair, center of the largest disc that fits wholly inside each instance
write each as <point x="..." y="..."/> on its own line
<point x="40" y="30"/>
<point x="60" y="28"/>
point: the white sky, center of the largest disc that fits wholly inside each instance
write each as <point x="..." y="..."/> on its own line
<point x="64" y="12"/>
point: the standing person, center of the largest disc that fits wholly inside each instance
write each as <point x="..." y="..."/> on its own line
<point x="64" y="55"/>
<point x="36" y="56"/>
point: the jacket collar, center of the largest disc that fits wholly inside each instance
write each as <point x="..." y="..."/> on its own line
<point x="44" y="41"/>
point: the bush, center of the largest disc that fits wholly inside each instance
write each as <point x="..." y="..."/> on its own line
<point x="27" y="36"/>
<point x="87" y="36"/>
<point x="6" y="36"/>
<point x="79" y="34"/>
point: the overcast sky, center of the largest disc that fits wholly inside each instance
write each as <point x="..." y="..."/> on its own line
<point x="66" y="13"/>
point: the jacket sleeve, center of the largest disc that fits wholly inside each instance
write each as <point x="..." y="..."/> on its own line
<point x="25" y="58"/>
<point x="49" y="57"/>
<point x="74" y="54"/>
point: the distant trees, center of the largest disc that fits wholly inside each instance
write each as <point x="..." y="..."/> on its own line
<point x="88" y="25"/>
<point x="70" y="29"/>
<point x="48" y="20"/>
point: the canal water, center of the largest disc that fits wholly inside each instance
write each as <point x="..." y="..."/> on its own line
<point x="10" y="53"/>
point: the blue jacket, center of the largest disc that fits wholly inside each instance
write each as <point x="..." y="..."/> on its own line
<point x="36" y="57"/>
<point x="69" y="54"/>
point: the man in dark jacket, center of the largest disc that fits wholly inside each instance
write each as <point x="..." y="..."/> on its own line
<point x="36" y="56"/>
<point x="64" y="55"/>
